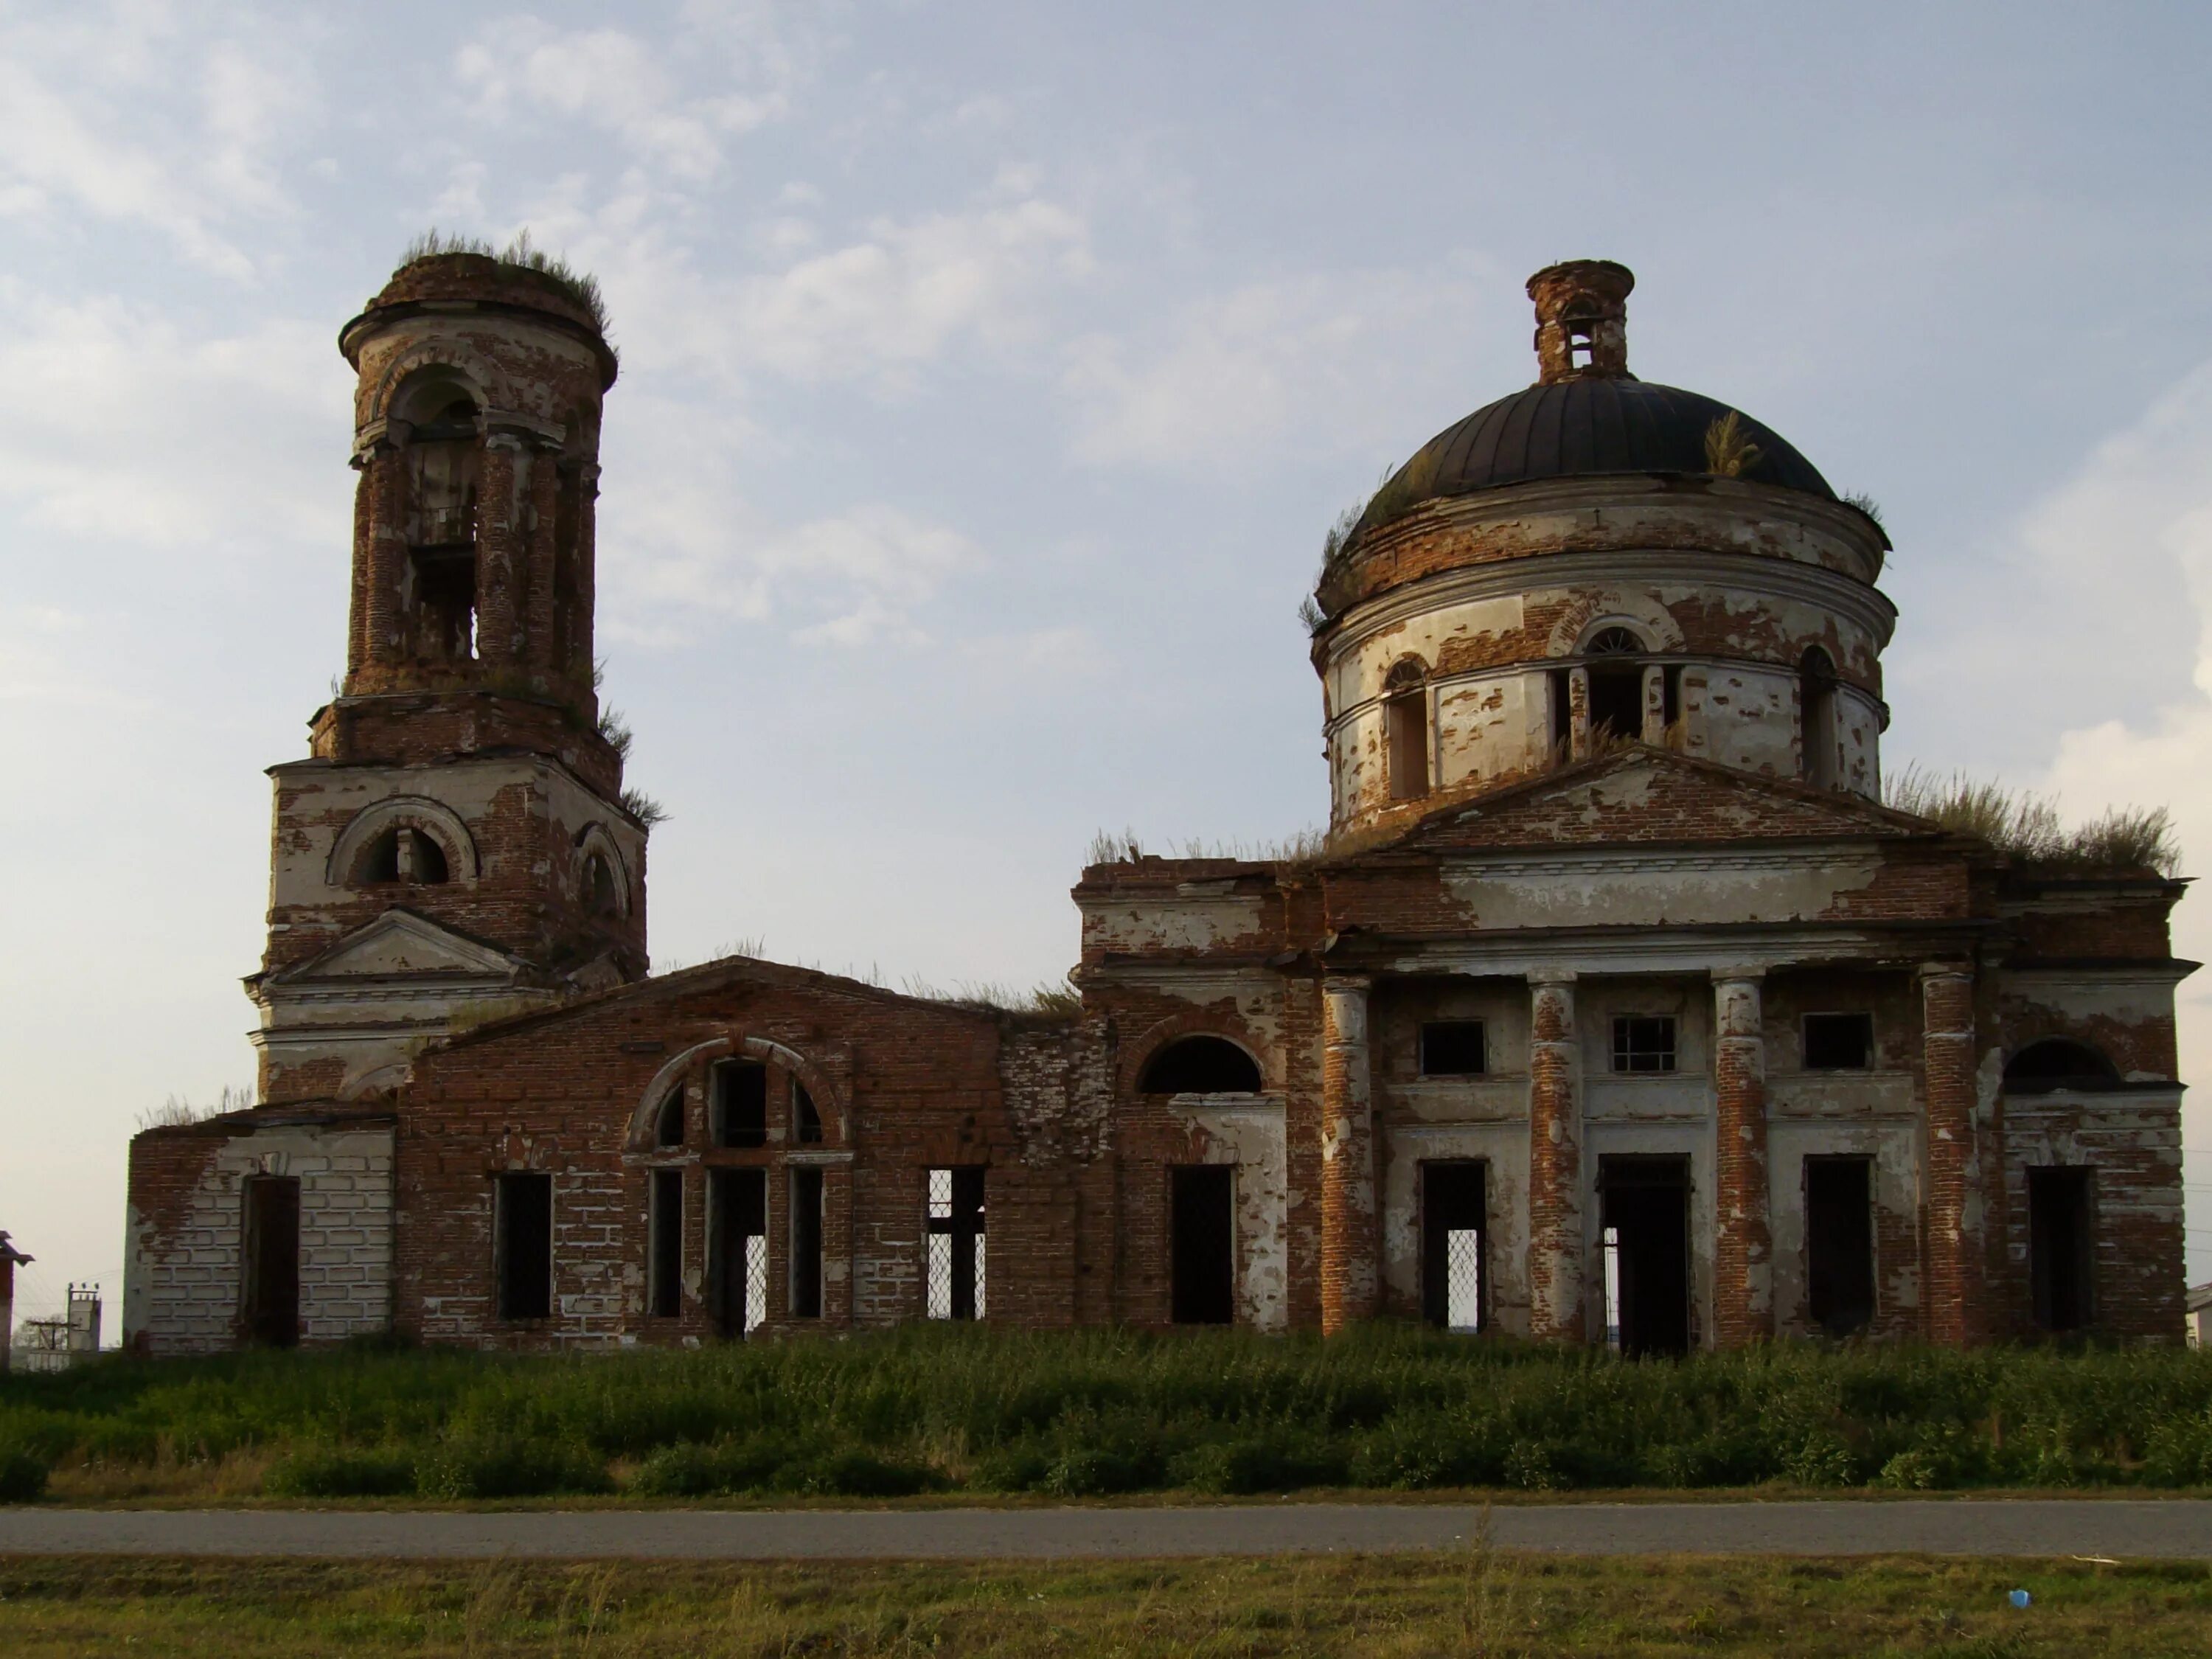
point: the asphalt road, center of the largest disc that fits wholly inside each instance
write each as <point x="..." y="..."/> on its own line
<point x="2115" y="1527"/>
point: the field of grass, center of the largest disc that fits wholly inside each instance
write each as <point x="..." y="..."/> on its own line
<point x="1075" y="1415"/>
<point x="1478" y="1603"/>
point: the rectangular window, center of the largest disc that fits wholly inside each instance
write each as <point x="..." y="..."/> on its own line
<point x="737" y="1267"/>
<point x="1453" y="1047"/>
<point x="806" y="1119"/>
<point x="1202" y="1245"/>
<point x="272" y="1262"/>
<point x="664" y="1293"/>
<point x="1838" y="1042"/>
<point x="2061" y="1271"/>
<point x="1406" y="721"/>
<point x="1643" y="1042"/>
<point x="523" y="1245"/>
<point x="1453" y="1204"/>
<point x="1839" y="1243"/>
<point x="955" y="1245"/>
<point x="741" y="1104"/>
<point x="806" y="1244"/>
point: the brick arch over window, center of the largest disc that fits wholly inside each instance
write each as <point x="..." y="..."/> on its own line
<point x="829" y="1100"/>
<point x="1137" y="1056"/>
<point x="592" y="841"/>
<point x="416" y="812"/>
<point x="1581" y="622"/>
<point x="446" y="363"/>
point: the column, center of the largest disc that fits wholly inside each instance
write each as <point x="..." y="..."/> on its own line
<point x="383" y="552"/>
<point x="1579" y="721"/>
<point x="499" y="548"/>
<point x="1347" y="1159"/>
<point x="1955" y="1311"/>
<point x="1654" y="705"/>
<point x="543" y="559"/>
<point x="1743" y="1248"/>
<point x="1555" y="1162"/>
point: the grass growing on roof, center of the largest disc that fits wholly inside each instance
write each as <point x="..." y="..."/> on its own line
<point x="2028" y="826"/>
<point x="1073" y="1414"/>
<point x="521" y="253"/>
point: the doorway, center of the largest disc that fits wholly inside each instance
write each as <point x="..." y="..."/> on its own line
<point x="1839" y="1243"/>
<point x="737" y="1258"/>
<point x="1453" y="1216"/>
<point x="1202" y="1245"/>
<point x="272" y="1261"/>
<point x="1645" y="1217"/>
<point x="2058" y="1247"/>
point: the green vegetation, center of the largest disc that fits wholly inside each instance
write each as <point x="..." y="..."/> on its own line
<point x="2028" y="826"/>
<point x="519" y="254"/>
<point x="1729" y="452"/>
<point x="1083" y="1414"/>
<point x="1868" y="505"/>
<point x="1478" y="1602"/>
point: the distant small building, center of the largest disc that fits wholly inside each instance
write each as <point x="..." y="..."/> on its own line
<point x="55" y="1345"/>
<point x="2197" y="1322"/>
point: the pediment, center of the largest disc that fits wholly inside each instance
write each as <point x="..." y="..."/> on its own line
<point x="1653" y="796"/>
<point x="400" y="945"/>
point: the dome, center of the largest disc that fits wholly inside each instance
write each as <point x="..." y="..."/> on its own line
<point x="1587" y="416"/>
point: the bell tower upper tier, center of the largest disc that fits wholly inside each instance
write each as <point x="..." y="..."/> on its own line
<point x="476" y="437"/>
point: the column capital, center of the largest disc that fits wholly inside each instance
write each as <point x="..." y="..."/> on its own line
<point x="1749" y="976"/>
<point x="1946" y="969"/>
<point x="1558" y="977"/>
<point x="1336" y="984"/>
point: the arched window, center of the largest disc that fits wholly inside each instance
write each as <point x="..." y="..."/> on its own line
<point x="404" y="854"/>
<point x="443" y="457"/>
<point x="1201" y="1066"/>
<point x="602" y="897"/>
<point x="1405" y="729"/>
<point x="1816" y="705"/>
<point x="668" y="1126"/>
<point x="2057" y="1063"/>
<point x="1616" y="682"/>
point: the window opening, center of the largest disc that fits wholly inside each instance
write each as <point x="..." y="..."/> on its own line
<point x="1582" y="352"/>
<point x="1454" y="1217"/>
<point x="1616" y="700"/>
<point x="405" y="853"/>
<point x="741" y="1104"/>
<point x="441" y="591"/>
<point x="601" y="896"/>
<point x="1670" y="692"/>
<point x="955" y="1245"/>
<point x="523" y="1242"/>
<point x="1406" y="727"/>
<point x="2058" y="1063"/>
<point x="668" y="1124"/>
<point x="2059" y="1239"/>
<point x="272" y="1261"/>
<point x="1645" y="1222"/>
<point x="1202" y="1245"/>
<point x="736" y="1268"/>
<point x="666" y="1290"/>
<point x="1838" y="1042"/>
<point x="1816" y="702"/>
<point x="1643" y="1042"/>
<point x="1839" y="1243"/>
<point x="806" y="1120"/>
<point x="1453" y="1047"/>
<point x="1201" y="1066"/>
<point x="1563" y="708"/>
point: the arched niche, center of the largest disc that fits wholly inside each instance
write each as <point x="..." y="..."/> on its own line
<point x="830" y="1102"/>
<point x="604" y="890"/>
<point x="2050" y="1065"/>
<point x="349" y="853"/>
<point x="1199" y="1063"/>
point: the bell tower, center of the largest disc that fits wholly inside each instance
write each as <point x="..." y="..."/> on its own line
<point x="458" y="844"/>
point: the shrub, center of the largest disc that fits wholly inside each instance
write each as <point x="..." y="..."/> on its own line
<point x="508" y="1466"/>
<point x="22" y="1477"/>
<point x="853" y="1473"/>
<point x="341" y="1472"/>
<point x="688" y="1469"/>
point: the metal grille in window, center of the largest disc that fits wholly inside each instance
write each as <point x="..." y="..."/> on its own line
<point x="1643" y="1042"/>
<point x="955" y="1244"/>
<point x="1613" y="642"/>
<point x="755" y="1280"/>
<point x="1463" y="1279"/>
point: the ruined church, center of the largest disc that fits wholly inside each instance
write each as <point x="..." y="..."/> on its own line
<point x="1615" y="1008"/>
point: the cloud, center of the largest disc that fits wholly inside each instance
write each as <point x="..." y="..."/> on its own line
<point x="117" y="423"/>
<point x="1334" y="360"/>
<point x="614" y="80"/>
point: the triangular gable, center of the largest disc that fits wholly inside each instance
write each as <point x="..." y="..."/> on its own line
<point x="1643" y="794"/>
<point x="400" y="944"/>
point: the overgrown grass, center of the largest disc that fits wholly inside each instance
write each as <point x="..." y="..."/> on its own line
<point x="1477" y="1602"/>
<point x="1094" y="1414"/>
<point x="2028" y="826"/>
<point x="522" y="254"/>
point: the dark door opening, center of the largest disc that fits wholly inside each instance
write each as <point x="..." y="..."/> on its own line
<point x="737" y="1250"/>
<point x="2058" y="1247"/>
<point x="1453" y="1212"/>
<point x="1202" y="1250"/>
<point x="523" y="1212"/>
<point x="1646" y="1221"/>
<point x="273" y="1259"/>
<point x="1839" y="1243"/>
<point x="1616" y="701"/>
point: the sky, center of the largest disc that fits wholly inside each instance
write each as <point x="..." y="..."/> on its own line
<point x="990" y="374"/>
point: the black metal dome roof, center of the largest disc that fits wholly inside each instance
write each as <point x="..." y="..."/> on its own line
<point x="1587" y="427"/>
